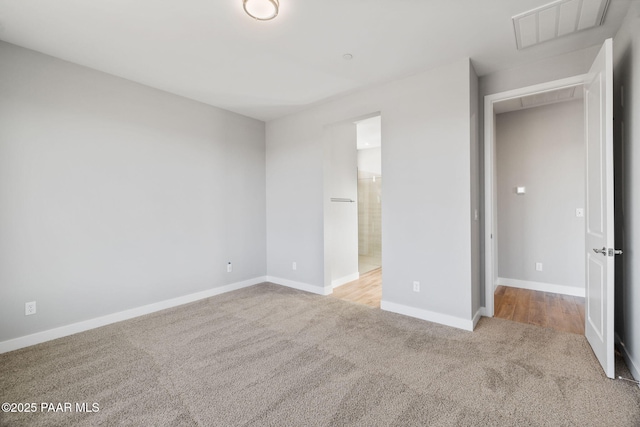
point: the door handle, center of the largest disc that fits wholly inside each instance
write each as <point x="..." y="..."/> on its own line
<point x="610" y="252"/>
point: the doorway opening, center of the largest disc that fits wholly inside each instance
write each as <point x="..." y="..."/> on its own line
<point x="494" y="105"/>
<point x="599" y="249"/>
<point x="369" y="147"/>
<point x="540" y="183"/>
<point x="354" y="219"/>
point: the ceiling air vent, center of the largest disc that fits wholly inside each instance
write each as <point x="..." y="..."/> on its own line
<point x="557" y="19"/>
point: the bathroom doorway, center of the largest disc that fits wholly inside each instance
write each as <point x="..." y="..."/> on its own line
<point x="353" y="227"/>
<point x="369" y="148"/>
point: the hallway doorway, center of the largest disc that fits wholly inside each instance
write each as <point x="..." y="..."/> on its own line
<point x="540" y="201"/>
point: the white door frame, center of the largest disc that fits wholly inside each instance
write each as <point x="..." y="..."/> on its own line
<point x="490" y="208"/>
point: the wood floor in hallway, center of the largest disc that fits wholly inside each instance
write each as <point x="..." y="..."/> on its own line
<point x="366" y="290"/>
<point x="555" y="311"/>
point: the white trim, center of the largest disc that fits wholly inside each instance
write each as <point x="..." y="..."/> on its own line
<point x="85" y="325"/>
<point x="543" y="287"/>
<point x="477" y="316"/>
<point x="431" y="316"/>
<point x="300" y="286"/>
<point x="344" y="280"/>
<point x="633" y="367"/>
<point x="490" y="228"/>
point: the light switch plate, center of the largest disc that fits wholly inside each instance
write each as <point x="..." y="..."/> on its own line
<point x="580" y="212"/>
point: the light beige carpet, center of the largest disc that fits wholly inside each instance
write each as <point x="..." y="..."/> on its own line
<point x="272" y="356"/>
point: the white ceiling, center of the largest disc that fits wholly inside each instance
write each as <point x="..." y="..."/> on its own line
<point x="211" y="51"/>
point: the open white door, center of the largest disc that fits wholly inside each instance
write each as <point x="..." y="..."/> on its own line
<point x="599" y="304"/>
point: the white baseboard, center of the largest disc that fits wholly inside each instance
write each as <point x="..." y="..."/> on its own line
<point x="346" y="279"/>
<point x="85" y="325"/>
<point x="431" y="316"/>
<point x="543" y="287"/>
<point x="484" y="312"/>
<point x="300" y="286"/>
<point x="633" y="366"/>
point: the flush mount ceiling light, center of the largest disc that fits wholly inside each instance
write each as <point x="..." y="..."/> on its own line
<point x="262" y="10"/>
<point x="557" y="19"/>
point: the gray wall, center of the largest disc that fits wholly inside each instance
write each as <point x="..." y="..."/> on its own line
<point x="425" y="215"/>
<point x="114" y="195"/>
<point x="542" y="149"/>
<point x="546" y="70"/>
<point x="626" y="74"/>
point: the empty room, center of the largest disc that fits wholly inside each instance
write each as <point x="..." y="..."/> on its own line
<point x="194" y="232"/>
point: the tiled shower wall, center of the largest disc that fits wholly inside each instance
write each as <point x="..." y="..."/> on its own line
<point x="369" y="219"/>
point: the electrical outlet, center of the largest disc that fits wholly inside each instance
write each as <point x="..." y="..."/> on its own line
<point x="416" y="286"/>
<point x="229" y="267"/>
<point x="29" y="308"/>
<point x="538" y="266"/>
<point x="294" y="265"/>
